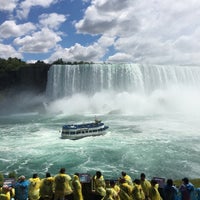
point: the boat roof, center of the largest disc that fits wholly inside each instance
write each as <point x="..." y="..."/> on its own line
<point x="80" y="126"/>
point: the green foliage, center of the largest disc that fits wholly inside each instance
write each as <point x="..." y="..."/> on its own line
<point x="61" y="62"/>
<point x="14" y="64"/>
<point x="11" y="64"/>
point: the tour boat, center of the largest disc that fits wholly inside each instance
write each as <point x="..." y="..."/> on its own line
<point x="78" y="131"/>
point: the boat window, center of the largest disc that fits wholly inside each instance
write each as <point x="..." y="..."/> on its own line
<point x="65" y="132"/>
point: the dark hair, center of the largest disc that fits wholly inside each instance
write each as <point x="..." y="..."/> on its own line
<point x="137" y="181"/>
<point x="98" y="174"/>
<point x="48" y="175"/>
<point x="77" y="174"/>
<point x="62" y="170"/>
<point x="170" y="182"/>
<point x="153" y="182"/>
<point x="142" y="175"/>
<point x="112" y="182"/>
<point x="35" y="175"/>
<point x="185" y="180"/>
<point x="123" y="173"/>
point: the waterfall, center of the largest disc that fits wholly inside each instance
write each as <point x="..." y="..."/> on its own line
<point x="66" y="80"/>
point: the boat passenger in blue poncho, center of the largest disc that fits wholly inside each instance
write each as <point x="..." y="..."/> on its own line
<point x="186" y="189"/>
<point x="170" y="191"/>
<point x="21" y="188"/>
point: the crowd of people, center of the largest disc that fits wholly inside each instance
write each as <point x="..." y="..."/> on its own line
<point x="65" y="187"/>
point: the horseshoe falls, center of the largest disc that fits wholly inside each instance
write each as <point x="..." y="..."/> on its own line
<point x="126" y="88"/>
<point x="153" y="114"/>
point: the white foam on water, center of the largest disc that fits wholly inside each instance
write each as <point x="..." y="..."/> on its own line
<point x="153" y="144"/>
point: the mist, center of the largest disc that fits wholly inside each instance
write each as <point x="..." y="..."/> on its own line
<point x="22" y="102"/>
<point x="181" y="100"/>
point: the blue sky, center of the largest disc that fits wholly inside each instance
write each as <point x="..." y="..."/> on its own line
<point x="139" y="31"/>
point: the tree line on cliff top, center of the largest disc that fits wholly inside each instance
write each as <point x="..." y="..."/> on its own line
<point x="13" y="64"/>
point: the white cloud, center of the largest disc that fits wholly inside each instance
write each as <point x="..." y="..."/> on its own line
<point x="147" y="31"/>
<point x="39" y="42"/>
<point x="113" y="18"/>
<point x="105" y="41"/>
<point x="26" y="5"/>
<point x="8" y="5"/>
<point x="11" y="29"/>
<point x="150" y="31"/>
<point x="78" y="53"/>
<point x="121" y="57"/>
<point x="7" y="51"/>
<point x="188" y="43"/>
<point x="93" y="52"/>
<point x="52" y="20"/>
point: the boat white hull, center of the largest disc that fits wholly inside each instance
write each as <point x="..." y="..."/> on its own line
<point x="82" y="135"/>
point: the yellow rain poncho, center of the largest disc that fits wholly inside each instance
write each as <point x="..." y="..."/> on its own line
<point x="99" y="186"/>
<point x="146" y="185"/>
<point x="137" y="192"/>
<point x="77" y="188"/>
<point x="62" y="185"/>
<point x="125" y="190"/>
<point x="115" y="192"/>
<point x="128" y="179"/>
<point x="154" y="193"/>
<point x="5" y="193"/>
<point x="46" y="188"/>
<point x="34" y="188"/>
<point x="109" y="194"/>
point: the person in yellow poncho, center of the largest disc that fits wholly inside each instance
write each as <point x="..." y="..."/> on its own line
<point x="46" y="187"/>
<point x="115" y="190"/>
<point x="63" y="186"/>
<point x="34" y="188"/>
<point x="125" y="189"/>
<point x="145" y="184"/>
<point x="109" y="194"/>
<point x="153" y="191"/>
<point x="127" y="178"/>
<point x="137" y="192"/>
<point x="99" y="185"/>
<point x="77" y="187"/>
<point x="5" y="192"/>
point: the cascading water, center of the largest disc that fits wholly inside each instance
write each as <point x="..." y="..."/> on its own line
<point x="66" y="80"/>
<point x="127" y="87"/>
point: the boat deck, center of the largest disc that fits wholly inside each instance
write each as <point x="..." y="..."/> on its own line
<point x="80" y="126"/>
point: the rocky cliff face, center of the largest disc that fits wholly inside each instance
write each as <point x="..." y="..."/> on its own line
<point x="23" y="90"/>
<point x="26" y="78"/>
